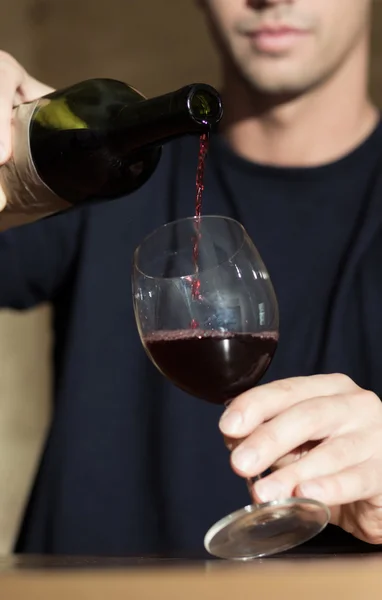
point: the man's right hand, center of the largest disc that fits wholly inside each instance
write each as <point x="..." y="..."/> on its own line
<point x="16" y="87"/>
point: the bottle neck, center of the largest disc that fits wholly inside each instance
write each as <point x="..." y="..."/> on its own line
<point x="159" y="120"/>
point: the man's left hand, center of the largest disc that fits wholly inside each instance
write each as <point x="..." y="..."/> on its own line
<point x="322" y="438"/>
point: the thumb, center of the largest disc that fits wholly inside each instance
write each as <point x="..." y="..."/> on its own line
<point x="15" y="86"/>
<point x="11" y="76"/>
<point x="31" y="89"/>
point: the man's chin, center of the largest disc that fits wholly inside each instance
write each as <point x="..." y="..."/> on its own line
<point x="280" y="85"/>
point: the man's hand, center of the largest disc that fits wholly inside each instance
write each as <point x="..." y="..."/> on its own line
<point x="16" y="86"/>
<point x="19" y="204"/>
<point x="322" y="437"/>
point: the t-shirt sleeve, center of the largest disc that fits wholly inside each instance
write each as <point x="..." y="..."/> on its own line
<point x="36" y="258"/>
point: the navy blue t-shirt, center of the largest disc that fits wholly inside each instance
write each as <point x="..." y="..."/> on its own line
<point x="133" y="465"/>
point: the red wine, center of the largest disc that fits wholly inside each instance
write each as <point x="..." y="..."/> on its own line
<point x="212" y="365"/>
<point x="203" y="149"/>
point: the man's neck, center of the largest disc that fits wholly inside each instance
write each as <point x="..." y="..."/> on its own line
<point x="315" y="128"/>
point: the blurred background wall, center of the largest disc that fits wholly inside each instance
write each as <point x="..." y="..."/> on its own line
<point x="156" y="45"/>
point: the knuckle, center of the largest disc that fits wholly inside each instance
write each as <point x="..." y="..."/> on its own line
<point x="6" y="57"/>
<point x="370" y="398"/>
<point x="311" y="416"/>
<point x="10" y="67"/>
<point x="342" y="380"/>
<point x="369" y="402"/>
<point x="343" y="449"/>
<point x="286" y="385"/>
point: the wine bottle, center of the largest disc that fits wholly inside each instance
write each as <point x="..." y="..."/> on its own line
<point x="99" y="139"/>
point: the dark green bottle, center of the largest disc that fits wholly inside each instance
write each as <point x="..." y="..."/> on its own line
<point x="96" y="140"/>
<point x="102" y="139"/>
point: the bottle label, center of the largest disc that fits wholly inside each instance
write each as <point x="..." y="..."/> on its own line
<point x="24" y="196"/>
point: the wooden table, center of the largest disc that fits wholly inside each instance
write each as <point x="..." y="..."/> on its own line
<point x="287" y="578"/>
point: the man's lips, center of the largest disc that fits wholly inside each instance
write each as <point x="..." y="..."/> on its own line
<point x="276" y="39"/>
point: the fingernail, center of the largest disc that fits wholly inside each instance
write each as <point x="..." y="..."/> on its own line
<point x="244" y="459"/>
<point x="231" y="422"/>
<point x="267" y="491"/>
<point x="311" y="490"/>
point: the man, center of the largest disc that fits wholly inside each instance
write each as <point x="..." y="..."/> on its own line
<point x="133" y="465"/>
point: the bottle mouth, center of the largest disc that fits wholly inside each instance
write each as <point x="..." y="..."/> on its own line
<point x="205" y="104"/>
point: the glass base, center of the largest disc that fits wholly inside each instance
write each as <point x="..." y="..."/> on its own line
<point x="265" y="529"/>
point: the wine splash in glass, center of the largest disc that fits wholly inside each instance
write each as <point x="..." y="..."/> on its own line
<point x="225" y="355"/>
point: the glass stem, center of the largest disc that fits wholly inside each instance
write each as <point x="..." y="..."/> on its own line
<point x="250" y="481"/>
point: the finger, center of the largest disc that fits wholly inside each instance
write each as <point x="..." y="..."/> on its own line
<point x="11" y="77"/>
<point x="31" y="89"/>
<point x="310" y="420"/>
<point x="360" y="482"/>
<point x="264" y="402"/>
<point x="294" y="455"/>
<point x="329" y="458"/>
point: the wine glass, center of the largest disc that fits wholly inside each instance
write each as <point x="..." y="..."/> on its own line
<point x="207" y="316"/>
